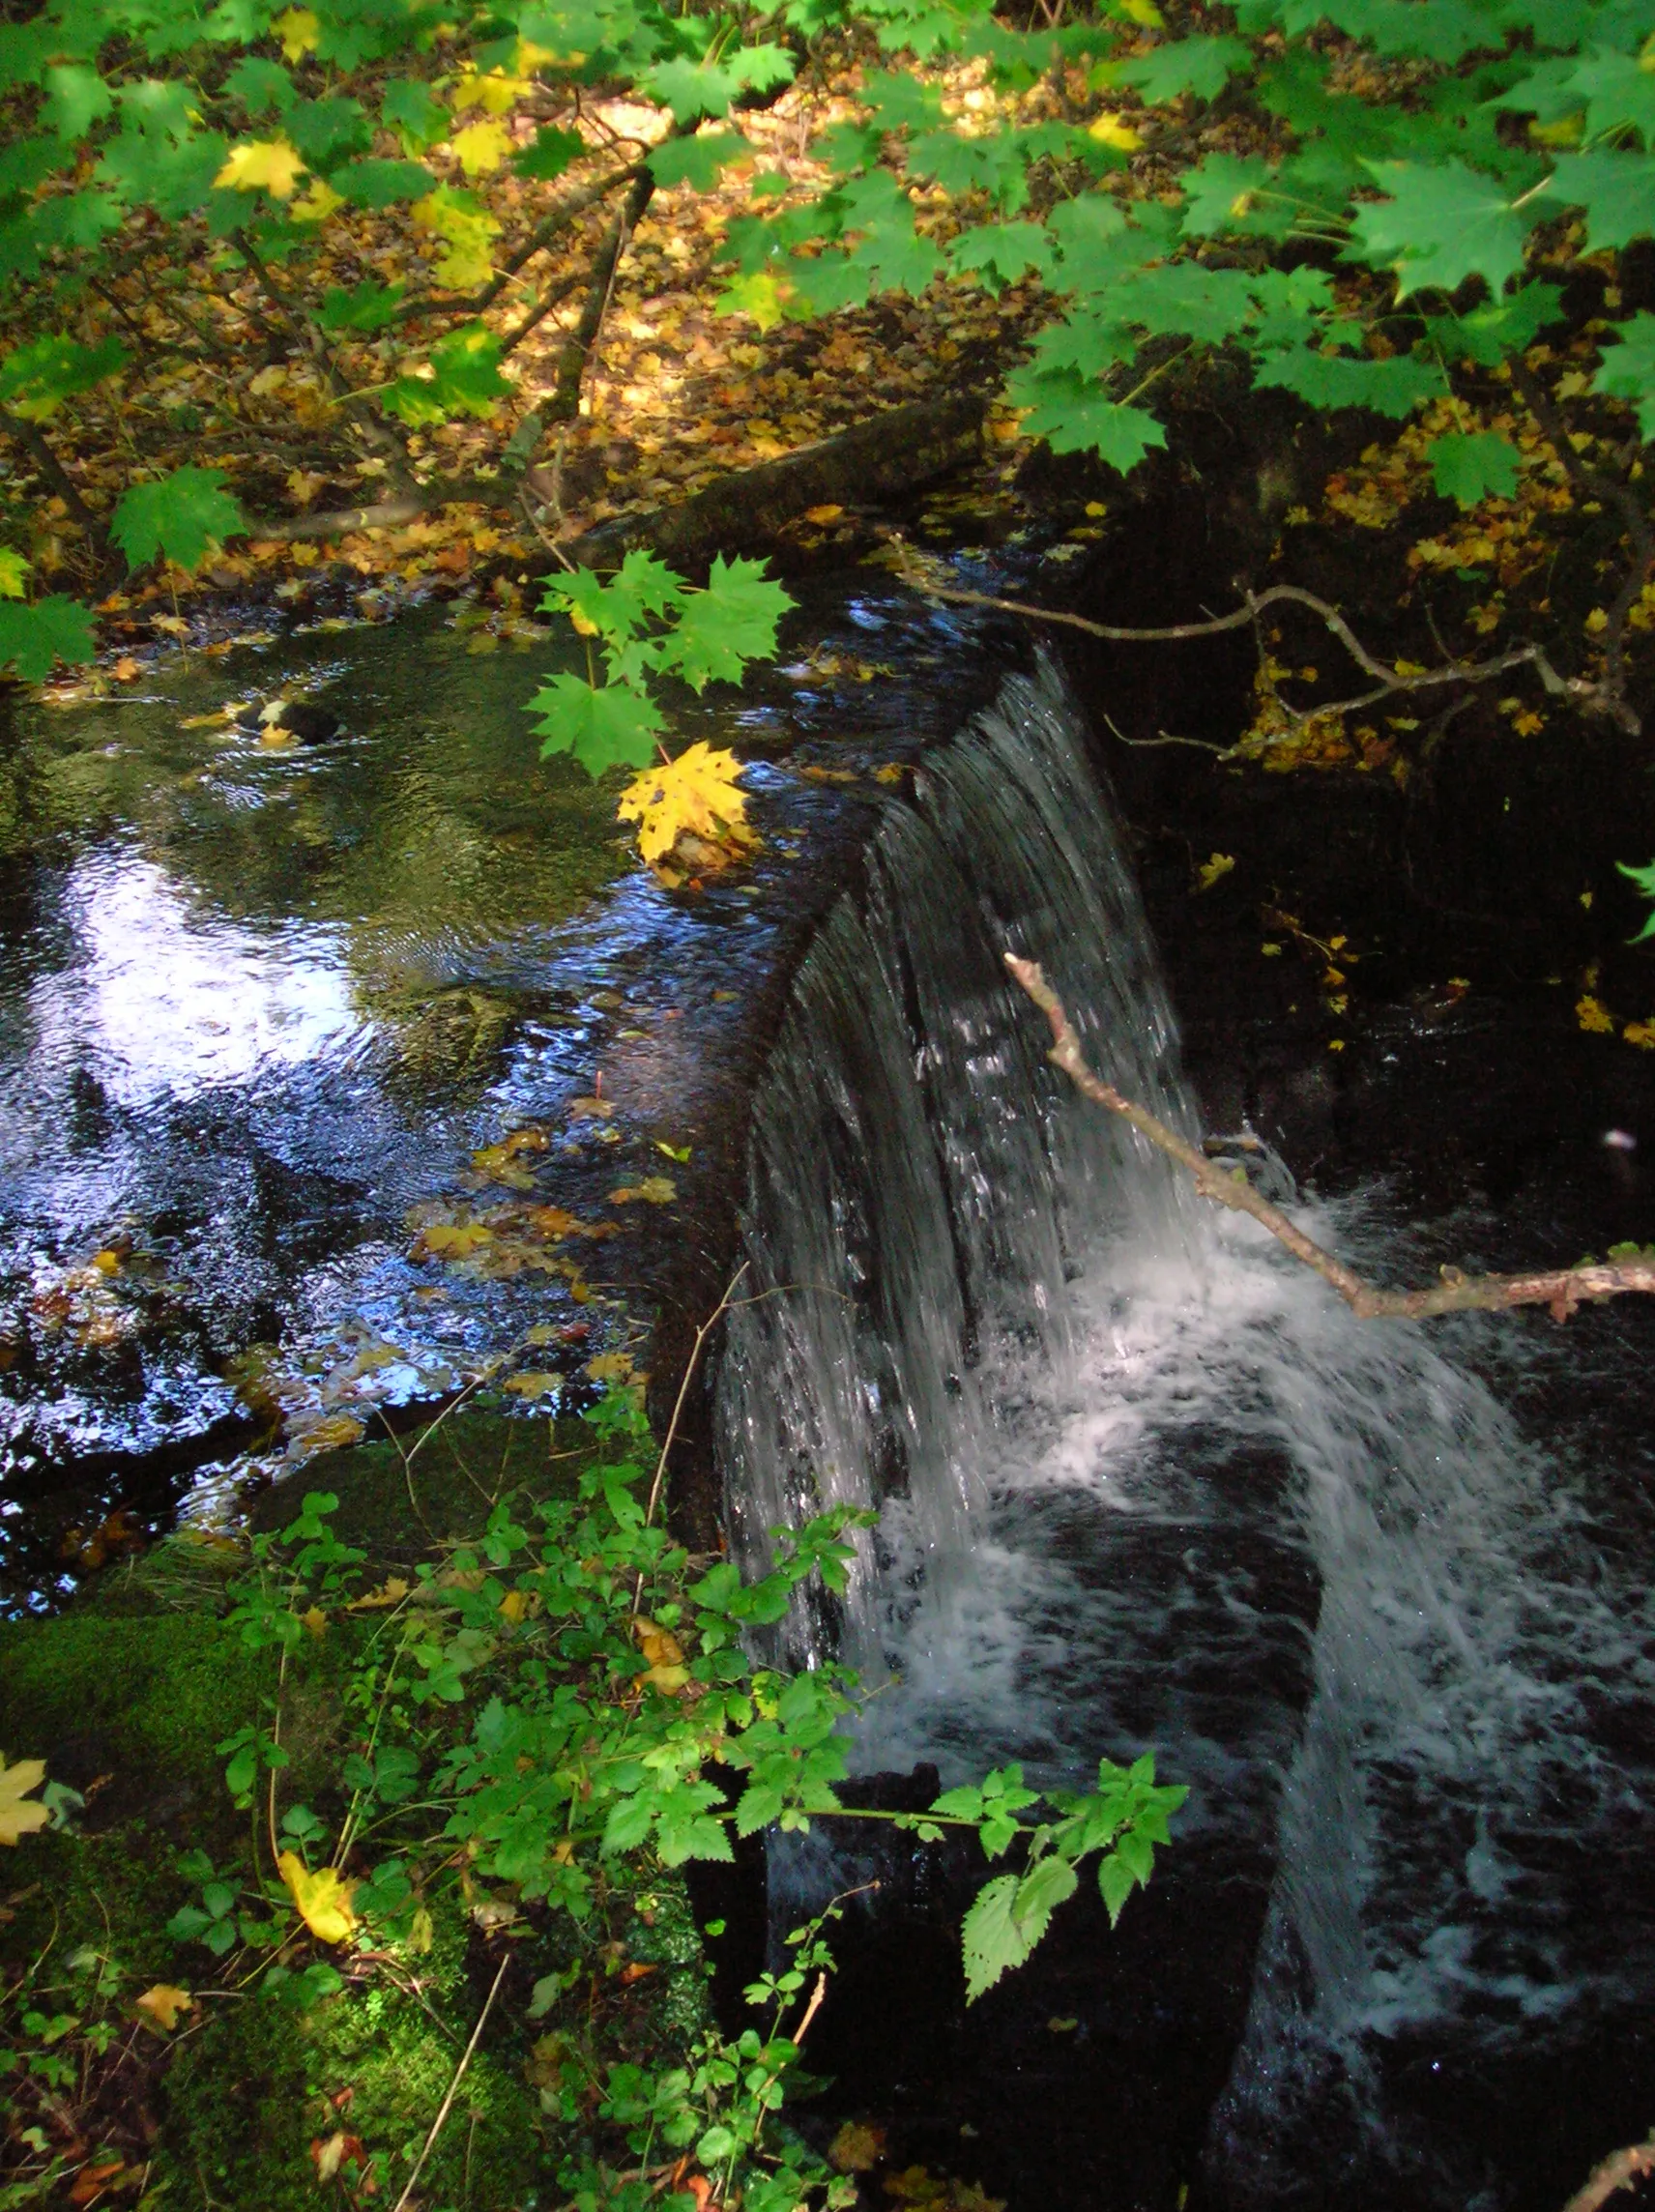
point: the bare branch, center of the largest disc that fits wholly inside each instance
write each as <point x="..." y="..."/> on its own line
<point x="1619" y="2171"/>
<point x="1561" y="1289"/>
<point x="1388" y="681"/>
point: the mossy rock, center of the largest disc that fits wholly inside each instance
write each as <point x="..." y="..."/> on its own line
<point x="400" y="1497"/>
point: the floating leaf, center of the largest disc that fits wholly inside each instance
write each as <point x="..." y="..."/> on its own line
<point x="654" y="1190"/>
<point x="696" y="793"/>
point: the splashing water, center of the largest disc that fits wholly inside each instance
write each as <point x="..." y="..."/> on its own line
<point x="1146" y="1482"/>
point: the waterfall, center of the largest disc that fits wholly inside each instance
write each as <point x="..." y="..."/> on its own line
<point x="1143" y="1481"/>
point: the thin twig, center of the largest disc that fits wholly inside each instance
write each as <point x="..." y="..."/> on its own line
<point x="1639" y="534"/>
<point x="1590" y="696"/>
<point x="1561" y="1289"/>
<point x="701" y="1337"/>
<point x="447" y="2103"/>
<point x="1619" y="2171"/>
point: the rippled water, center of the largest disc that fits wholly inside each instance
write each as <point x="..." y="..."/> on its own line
<point x="257" y="1004"/>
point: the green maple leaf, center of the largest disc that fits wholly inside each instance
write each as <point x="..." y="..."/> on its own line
<point x="1488" y="333"/>
<point x="692" y="89"/>
<point x="260" y="86"/>
<point x="465" y="379"/>
<point x="173" y="175"/>
<point x="641" y="588"/>
<point x="181" y="516"/>
<point x="900" y="103"/>
<point x="1619" y="94"/>
<point x="1000" y="253"/>
<point x="550" y="153"/>
<point x="77" y="97"/>
<point x="1332" y="380"/>
<point x="375" y="184"/>
<point x="1618" y="191"/>
<point x="367" y="307"/>
<point x="698" y="161"/>
<point x="1441" y="224"/>
<point x="1643" y="878"/>
<point x="1233" y="194"/>
<point x="992" y="165"/>
<point x="1074" y="415"/>
<point x="1180" y="299"/>
<point x="1438" y="31"/>
<point x="38" y="378"/>
<point x="1628" y="369"/>
<point x="723" y="628"/>
<point x="1081" y="345"/>
<point x="819" y="285"/>
<point x="896" y="258"/>
<point x="414" y="112"/>
<point x="325" y="130"/>
<point x="1474" y="467"/>
<point x="33" y="639"/>
<point x="604" y="726"/>
<point x="1198" y="64"/>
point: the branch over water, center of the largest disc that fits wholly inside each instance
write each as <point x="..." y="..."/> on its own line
<point x="1561" y="1289"/>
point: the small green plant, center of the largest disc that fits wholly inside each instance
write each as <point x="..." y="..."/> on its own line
<point x="537" y="1724"/>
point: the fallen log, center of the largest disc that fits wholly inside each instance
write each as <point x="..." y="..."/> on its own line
<point x="890" y="453"/>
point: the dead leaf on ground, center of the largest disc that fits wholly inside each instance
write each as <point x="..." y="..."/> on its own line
<point x="19" y="1814"/>
<point x="161" y="2004"/>
<point x="856" y="2149"/>
<point x="323" y="1898"/>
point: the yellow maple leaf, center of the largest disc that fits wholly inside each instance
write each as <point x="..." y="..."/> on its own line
<point x="323" y="1898"/>
<point x="1112" y="129"/>
<point x="467" y="230"/>
<point x="318" y="204"/>
<point x="261" y="165"/>
<point x="537" y="1384"/>
<point x="1592" y="1014"/>
<point x="1641" y="1034"/>
<point x="18" y="1819"/>
<point x="163" y="2003"/>
<point x="453" y="1240"/>
<point x="391" y="1591"/>
<point x="610" y="1367"/>
<point x="298" y="29"/>
<point x="1210" y="872"/>
<point x="480" y="147"/>
<point x="696" y="792"/>
<point x="496" y="93"/>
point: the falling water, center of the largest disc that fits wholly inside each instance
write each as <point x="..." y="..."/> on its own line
<point x="1144" y="1482"/>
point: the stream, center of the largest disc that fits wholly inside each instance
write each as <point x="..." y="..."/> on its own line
<point x="1380" y="1596"/>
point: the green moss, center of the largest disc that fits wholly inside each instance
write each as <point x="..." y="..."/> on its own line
<point x="127" y="1696"/>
